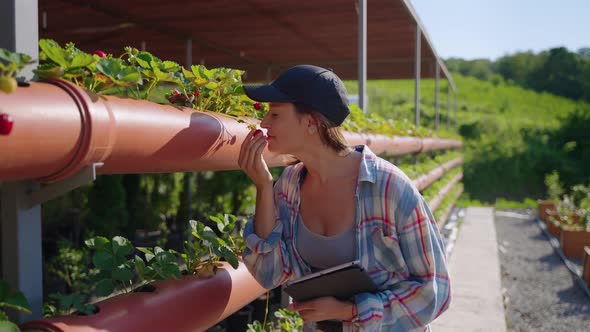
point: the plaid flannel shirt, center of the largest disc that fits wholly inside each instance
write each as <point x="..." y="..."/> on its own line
<point x="397" y="242"/>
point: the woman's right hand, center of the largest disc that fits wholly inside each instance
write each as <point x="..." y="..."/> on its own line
<point x="252" y="161"/>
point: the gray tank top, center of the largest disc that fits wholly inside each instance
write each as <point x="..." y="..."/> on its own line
<point x="322" y="252"/>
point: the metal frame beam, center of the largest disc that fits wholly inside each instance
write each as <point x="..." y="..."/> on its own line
<point x="417" y="68"/>
<point x="436" y="95"/>
<point x="362" y="53"/>
<point x="19" y="29"/>
<point x="448" y="107"/>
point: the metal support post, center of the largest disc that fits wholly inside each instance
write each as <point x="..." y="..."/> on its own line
<point x="448" y="106"/>
<point x="19" y="29"/>
<point x="455" y="110"/>
<point x="362" y="53"/>
<point x="22" y="259"/>
<point x="417" y="60"/>
<point x="436" y="92"/>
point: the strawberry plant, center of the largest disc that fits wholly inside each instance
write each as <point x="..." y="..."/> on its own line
<point x="67" y="303"/>
<point x="10" y="64"/>
<point x="116" y="269"/>
<point x="11" y="299"/>
<point x="139" y="74"/>
<point x="213" y="247"/>
<point x="286" y="320"/>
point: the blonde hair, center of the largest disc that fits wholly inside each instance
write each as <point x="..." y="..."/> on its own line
<point x="330" y="134"/>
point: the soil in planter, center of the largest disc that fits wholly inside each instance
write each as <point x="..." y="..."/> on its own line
<point x="145" y="289"/>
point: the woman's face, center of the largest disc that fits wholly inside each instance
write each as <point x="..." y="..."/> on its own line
<point x="285" y="130"/>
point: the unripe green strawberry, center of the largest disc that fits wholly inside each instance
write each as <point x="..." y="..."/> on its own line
<point x="7" y="84"/>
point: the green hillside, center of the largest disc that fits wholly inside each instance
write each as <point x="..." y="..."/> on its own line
<point x="513" y="136"/>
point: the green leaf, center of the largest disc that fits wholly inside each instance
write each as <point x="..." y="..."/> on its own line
<point x="8" y="326"/>
<point x="172" y="270"/>
<point x="49" y="70"/>
<point x="209" y="235"/>
<point x="19" y="59"/>
<point x="122" y="273"/>
<point x="187" y="73"/>
<point x="211" y="85"/>
<point x="144" y="59"/>
<point x="194" y="225"/>
<point x="122" y="246"/>
<point x="118" y="72"/>
<point x="54" y="52"/>
<point x="140" y="266"/>
<point x="158" y="250"/>
<point x="229" y="255"/>
<point x="82" y="60"/>
<point x="149" y="254"/>
<point x="65" y="301"/>
<point x="17" y="301"/>
<point x="170" y="66"/>
<point x="103" y="260"/>
<point x="104" y="287"/>
<point x="98" y="243"/>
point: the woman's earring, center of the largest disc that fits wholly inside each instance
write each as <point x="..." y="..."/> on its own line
<point x="311" y="130"/>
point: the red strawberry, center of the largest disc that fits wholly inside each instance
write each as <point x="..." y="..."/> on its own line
<point x="100" y="53"/>
<point x="5" y="124"/>
<point x="196" y="92"/>
<point x="257" y="106"/>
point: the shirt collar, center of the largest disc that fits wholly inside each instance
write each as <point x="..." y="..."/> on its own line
<point x="367" y="170"/>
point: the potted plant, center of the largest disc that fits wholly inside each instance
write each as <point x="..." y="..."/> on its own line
<point x="554" y="192"/>
<point x="575" y="226"/>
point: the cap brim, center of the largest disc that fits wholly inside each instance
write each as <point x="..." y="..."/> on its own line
<point x="266" y="94"/>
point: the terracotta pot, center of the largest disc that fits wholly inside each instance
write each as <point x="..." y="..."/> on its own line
<point x="551" y="226"/>
<point x="573" y="242"/>
<point x="586" y="266"/>
<point x="188" y="304"/>
<point x="545" y="205"/>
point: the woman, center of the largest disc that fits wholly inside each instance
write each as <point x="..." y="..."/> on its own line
<point x="336" y="205"/>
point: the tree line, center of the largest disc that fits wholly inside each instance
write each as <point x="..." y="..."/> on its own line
<point x="557" y="71"/>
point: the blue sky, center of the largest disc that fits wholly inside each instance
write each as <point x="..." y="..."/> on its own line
<point x="473" y="29"/>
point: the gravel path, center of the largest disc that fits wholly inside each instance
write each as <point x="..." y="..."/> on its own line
<point x="540" y="293"/>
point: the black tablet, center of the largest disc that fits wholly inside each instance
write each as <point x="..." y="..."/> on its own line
<point x="342" y="281"/>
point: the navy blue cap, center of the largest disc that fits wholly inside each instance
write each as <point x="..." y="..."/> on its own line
<point x="314" y="86"/>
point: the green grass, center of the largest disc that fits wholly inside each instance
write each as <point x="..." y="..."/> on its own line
<point x="512" y="136"/>
<point x="503" y="204"/>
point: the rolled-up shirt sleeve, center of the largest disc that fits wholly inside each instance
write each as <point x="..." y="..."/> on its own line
<point x="268" y="259"/>
<point x="414" y="302"/>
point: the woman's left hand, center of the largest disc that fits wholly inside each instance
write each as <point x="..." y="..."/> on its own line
<point x="323" y="308"/>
